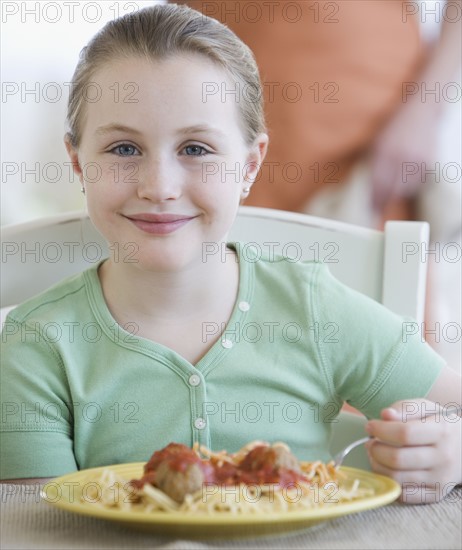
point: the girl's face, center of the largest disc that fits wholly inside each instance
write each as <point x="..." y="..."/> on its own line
<point x="163" y="159"/>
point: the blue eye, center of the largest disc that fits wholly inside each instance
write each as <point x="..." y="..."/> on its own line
<point x="195" y="150"/>
<point x="125" y="150"/>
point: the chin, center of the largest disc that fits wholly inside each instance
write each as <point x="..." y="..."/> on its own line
<point x="163" y="259"/>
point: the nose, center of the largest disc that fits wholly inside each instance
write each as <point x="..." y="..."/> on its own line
<point x="159" y="181"/>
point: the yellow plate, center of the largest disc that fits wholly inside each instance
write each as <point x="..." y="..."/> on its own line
<point x="61" y="492"/>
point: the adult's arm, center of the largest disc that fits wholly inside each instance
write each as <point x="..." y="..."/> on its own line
<point x="405" y="149"/>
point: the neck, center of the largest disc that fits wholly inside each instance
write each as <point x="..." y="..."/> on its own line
<point x="133" y="293"/>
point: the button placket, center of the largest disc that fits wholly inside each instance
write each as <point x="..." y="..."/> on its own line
<point x="201" y="421"/>
<point x="227" y="343"/>
<point x="200" y="426"/>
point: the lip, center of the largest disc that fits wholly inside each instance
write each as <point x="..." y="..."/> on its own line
<point x="159" y="224"/>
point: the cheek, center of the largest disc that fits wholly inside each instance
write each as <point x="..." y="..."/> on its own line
<point x="110" y="182"/>
<point x="220" y="197"/>
<point x="224" y="180"/>
<point x="122" y="174"/>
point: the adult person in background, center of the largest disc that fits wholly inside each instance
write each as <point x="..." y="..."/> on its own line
<point x="352" y="116"/>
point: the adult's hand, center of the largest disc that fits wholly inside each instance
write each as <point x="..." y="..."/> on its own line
<point x="404" y="152"/>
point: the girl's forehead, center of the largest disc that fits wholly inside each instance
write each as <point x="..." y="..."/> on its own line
<point x="194" y="81"/>
<point x="177" y="89"/>
<point x="178" y="70"/>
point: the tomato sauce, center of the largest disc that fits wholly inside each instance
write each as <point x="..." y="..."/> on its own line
<point x="260" y="466"/>
<point x="177" y="455"/>
<point x="257" y="467"/>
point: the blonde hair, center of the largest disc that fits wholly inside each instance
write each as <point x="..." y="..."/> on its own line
<point x="159" y="32"/>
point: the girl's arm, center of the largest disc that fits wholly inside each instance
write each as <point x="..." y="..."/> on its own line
<point x="423" y="454"/>
<point x="447" y="388"/>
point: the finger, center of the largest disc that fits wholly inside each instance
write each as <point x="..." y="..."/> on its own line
<point x="417" y="432"/>
<point x="410" y="178"/>
<point x="390" y="414"/>
<point x="409" y="187"/>
<point x="404" y="458"/>
<point x="384" y="179"/>
<point x="417" y="477"/>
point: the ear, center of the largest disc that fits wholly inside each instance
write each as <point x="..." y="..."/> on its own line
<point x="255" y="158"/>
<point x="73" y="155"/>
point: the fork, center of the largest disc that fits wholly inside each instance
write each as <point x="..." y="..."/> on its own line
<point x="340" y="457"/>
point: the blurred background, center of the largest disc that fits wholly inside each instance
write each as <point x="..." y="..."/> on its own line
<point x="41" y="42"/>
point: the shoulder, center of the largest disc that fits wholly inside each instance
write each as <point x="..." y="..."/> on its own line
<point x="62" y="296"/>
<point x="313" y="286"/>
<point x="275" y="263"/>
<point x="312" y="279"/>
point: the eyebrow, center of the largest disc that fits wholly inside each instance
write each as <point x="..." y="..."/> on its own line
<point x="103" y="130"/>
<point x="197" y="129"/>
<point x="201" y="129"/>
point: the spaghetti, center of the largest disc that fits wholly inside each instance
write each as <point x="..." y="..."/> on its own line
<point x="258" y="479"/>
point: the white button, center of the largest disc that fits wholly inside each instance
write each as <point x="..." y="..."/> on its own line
<point x="227" y="344"/>
<point x="194" y="380"/>
<point x="244" y="306"/>
<point x="199" y="423"/>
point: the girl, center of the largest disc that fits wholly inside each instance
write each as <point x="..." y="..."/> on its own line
<point x="176" y="153"/>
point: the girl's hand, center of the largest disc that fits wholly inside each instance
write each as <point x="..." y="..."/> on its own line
<point x="423" y="454"/>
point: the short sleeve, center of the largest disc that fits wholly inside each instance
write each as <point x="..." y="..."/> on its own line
<point x="372" y="357"/>
<point x="36" y="406"/>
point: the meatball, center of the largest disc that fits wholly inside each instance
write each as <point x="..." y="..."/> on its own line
<point x="172" y="451"/>
<point x="275" y="457"/>
<point x="285" y="459"/>
<point x="177" y="484"/>
<point x="177" y="471"/>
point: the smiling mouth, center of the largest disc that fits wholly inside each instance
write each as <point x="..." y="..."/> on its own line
<point x="159" y="224"/>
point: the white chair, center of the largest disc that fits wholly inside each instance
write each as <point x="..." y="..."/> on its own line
<point x="386" y="266"/>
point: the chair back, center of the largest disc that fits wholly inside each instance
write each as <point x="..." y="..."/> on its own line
<point x="385" y="265"/>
